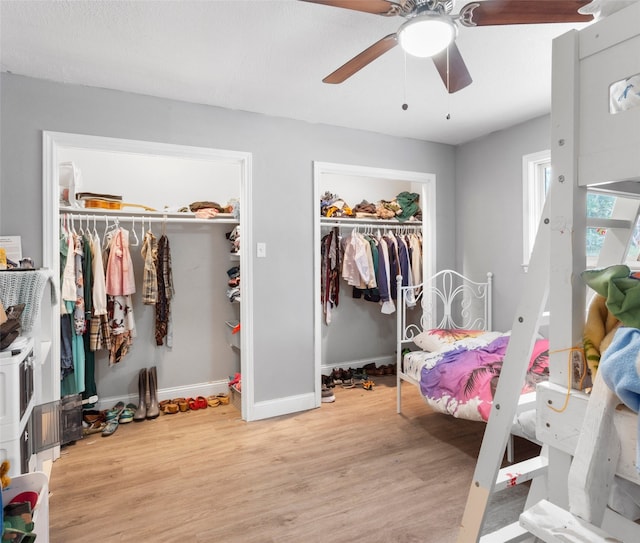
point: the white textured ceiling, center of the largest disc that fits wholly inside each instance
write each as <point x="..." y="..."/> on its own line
<point x="270" y="57"/>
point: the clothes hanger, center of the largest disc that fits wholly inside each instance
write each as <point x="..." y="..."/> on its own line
<point x="63" y="225"/>
<point x="82" y="230"/>
<point x="96" y="236"/>
<point x="142" y="228"/>
<point x="108" y="229"/>
<point x="136" y="241"/>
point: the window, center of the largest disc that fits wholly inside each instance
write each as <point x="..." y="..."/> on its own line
<point x="536" y="169"/>
<point x="536" y="175"/>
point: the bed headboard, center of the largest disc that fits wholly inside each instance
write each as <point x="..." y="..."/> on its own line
<point x="448" y="300"/>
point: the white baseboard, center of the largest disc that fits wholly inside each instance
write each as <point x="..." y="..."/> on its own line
<point x="284" y="406"/>
<point x="185" y="391"/>
<point x="378" y="361"/>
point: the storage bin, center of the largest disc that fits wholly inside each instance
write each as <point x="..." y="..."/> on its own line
<point x="236" y="398"/>
<point x="233" y="333"/>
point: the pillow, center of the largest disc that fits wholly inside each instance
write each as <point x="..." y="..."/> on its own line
<point x="439" y="338"/>
<point x="428" y="342"/>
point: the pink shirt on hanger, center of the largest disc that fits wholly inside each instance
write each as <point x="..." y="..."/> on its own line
<point x="119" y="275"/>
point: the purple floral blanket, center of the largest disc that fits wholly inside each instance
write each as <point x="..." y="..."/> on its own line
<point x="462" y="379"/>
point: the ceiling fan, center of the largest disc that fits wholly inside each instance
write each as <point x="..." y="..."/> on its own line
<point x="431" y="28"/>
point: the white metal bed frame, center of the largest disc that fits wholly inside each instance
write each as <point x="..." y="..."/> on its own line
<point x="447" y="300"/>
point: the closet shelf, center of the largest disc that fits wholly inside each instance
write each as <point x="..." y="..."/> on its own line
<point x="153" y="216"/>
<point x="368" y="222"/>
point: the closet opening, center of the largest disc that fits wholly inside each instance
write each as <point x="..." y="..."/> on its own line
<point x="360" y="331"/>
<point x="155" y="186"/>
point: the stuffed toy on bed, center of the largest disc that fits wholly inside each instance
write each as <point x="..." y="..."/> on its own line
<point x="599" y="329"/>
<point x="617" y="303"/>
<point x="619" y="364"/>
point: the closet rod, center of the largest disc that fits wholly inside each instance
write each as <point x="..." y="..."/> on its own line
<point x="329" y="220"/>
<point x="145" y="218"/>
<point x="383" y="225"/>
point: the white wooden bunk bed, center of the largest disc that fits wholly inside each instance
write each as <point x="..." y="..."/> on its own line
<point x="586" y="486"/>
<point x="447" y="348"/>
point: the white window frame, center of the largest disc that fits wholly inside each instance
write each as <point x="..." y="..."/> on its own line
<point x="533" y="197"/>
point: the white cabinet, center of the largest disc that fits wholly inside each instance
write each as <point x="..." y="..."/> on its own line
<point x="27" y="370"/>
<point x="16" y="406"/>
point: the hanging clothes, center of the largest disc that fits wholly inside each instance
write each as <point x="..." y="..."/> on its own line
<point x="330" y="272"/>
<point x="67" y="294"/>
<point x="90" y="388"/>
<point x="404" y="261"/>
<point x="357" y="266"/>
<point x="149" y="254"/>
<point x="72" y="359"/>
<point x="119" y="276"/>
<point x="415" y="245"/>
<point x="100" y="335"/>
<point x="165" y="293"/>
<point x="79" y="317"/>
<point x="371" y="264"/>
<point x="371" y="293"/>
<point x="386" y="279"/>
<point x="120" y="285"/>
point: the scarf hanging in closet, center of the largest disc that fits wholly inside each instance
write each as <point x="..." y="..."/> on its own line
<point x="165" y="292"/>
<point x="149" y="254"/>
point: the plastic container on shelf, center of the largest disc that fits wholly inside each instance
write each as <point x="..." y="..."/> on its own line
<point x="233" y="333"/>
<point x="236" y="398"/>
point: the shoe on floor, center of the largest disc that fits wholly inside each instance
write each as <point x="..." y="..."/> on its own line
<point x="94" y="428"/>
<point x="127" y="413"/>
<point x="328" y="396"/>
<point x="114" y="412"/>
<point x="110" y="428"/>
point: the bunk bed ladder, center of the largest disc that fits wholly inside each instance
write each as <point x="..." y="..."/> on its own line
<point x="597" y="454"/>
<point x="487" y="476"/>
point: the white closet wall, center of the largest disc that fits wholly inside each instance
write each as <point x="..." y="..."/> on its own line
<point x="153" y="180"/>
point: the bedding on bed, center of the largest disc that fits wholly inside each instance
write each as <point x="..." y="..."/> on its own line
<point x="460" y="377"/>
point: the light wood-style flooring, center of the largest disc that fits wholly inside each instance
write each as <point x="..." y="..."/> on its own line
<point x="350" y="471"/>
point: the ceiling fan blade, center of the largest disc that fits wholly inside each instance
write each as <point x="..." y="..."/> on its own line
<point x="377" y="7"/>
<point x="360" y="61"/>
<point x="452" y="69"/>
<point x="513" y="12"/>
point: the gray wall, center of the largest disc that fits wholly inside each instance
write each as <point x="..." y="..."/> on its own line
<point x="489" y="210"/>
<point x="283" y="152"/>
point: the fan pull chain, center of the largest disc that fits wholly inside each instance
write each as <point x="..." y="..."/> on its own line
<point x="448" y="117"/>
<point x="405" y="106"/>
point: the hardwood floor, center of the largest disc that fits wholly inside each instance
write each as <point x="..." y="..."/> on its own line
<point x="349" y="471"/>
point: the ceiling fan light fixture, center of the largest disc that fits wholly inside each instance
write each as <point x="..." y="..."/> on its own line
<point x="426" y="35"/>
